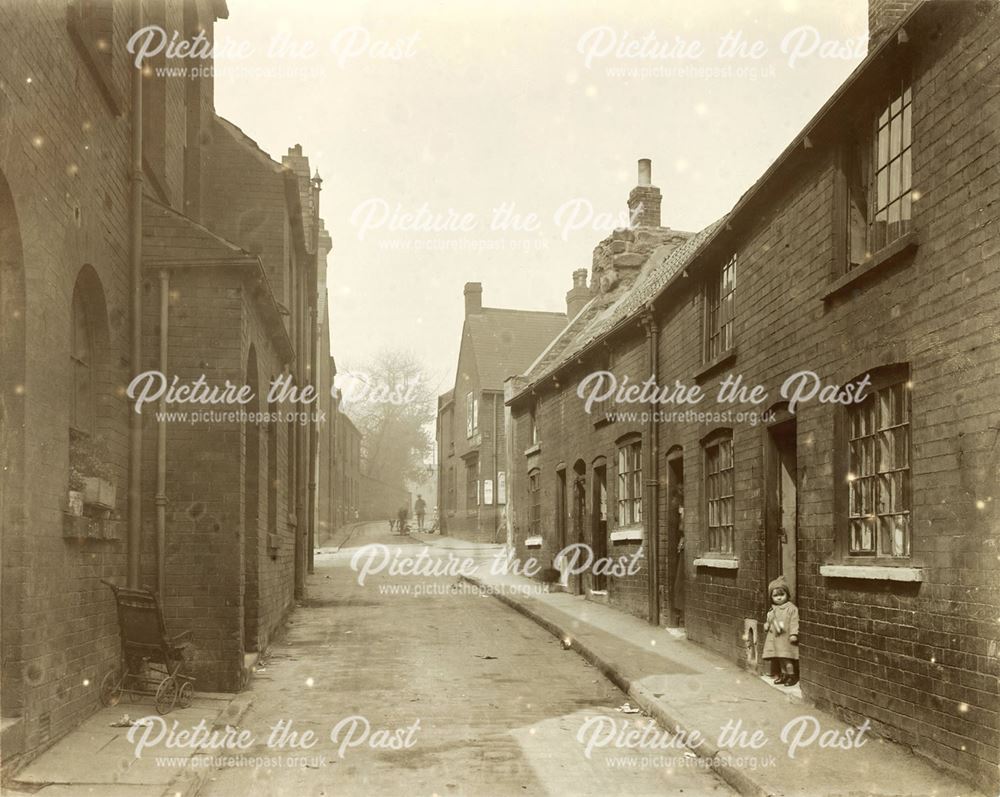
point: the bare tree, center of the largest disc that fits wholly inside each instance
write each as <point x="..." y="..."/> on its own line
<point x="391" y="401"/>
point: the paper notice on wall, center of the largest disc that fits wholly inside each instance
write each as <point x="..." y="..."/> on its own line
<point x="487" y="491"/>
<point x="501" y="488"/>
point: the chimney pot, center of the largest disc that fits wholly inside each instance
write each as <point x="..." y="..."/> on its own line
<point x="578" y="296"/>
<point x="645" y="171"/>
<point x="473" y="298"/>
<point x="644" y="201"/>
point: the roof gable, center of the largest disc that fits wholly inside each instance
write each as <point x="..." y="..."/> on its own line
<point x="503" y="343"/>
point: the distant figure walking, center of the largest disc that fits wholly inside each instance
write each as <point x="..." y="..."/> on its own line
<point x="420" y="507"/>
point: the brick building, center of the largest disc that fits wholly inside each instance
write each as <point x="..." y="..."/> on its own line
<point x="202" y="261"/>
<point x="472" y="469"/>
<point x="867" y="249"/>
<point x="344" y="483"/>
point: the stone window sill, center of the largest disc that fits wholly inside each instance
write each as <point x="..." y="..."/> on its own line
<point x="726" y="358"/>
<point x="533" y="542"/>
<point x="873" y="572"/>
<point x="883" y="259"/>
<point x="632" y="534"/>
<point x="717" y="563"/>
<point x="533" y="450"/>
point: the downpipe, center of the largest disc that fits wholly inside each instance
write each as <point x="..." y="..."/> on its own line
<point x="134" y="536"/>
<point x="653" y="478"/>
<point x="161" y="444"/>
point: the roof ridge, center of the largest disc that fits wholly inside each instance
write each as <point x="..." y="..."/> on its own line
<point x="518" y="310"/>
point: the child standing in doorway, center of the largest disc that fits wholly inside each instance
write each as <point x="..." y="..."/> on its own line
<point x="782" y="628"/>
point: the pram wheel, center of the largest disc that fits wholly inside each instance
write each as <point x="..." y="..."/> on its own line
<point x="111" y="688"/>
<point x="185" y="695"/>
<point x="166" y="694"/>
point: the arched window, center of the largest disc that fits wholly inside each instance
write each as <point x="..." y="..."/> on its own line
<point x="83" y="411"/>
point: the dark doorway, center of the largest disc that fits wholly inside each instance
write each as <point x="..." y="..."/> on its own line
<point x="599" y="525"/>
<point x="560" y="516"/>
<point x="672" y="557"/>
<point x="781" y="502"/>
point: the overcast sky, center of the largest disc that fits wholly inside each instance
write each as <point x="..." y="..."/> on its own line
<point x="463" y="108"/>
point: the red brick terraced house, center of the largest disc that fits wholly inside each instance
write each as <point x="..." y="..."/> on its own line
<point x="472" y="470"/>
<point x="161" y="239"/>
<point x="868" y="249"/>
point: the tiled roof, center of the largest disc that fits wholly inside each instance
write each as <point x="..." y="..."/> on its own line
<point x="505" y="342"/>
<point x="606" y="311"/>
<point x="169" y="237"/>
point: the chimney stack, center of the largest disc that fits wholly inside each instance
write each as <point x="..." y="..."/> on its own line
<point x="473" y="298"/>
<point x="578" y="296"/>
<point x="883" y="16"/>
<point x="644" y="200"/>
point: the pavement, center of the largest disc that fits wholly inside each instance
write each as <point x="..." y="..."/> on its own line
<point x="689" y="689"/>
<point x="477" y="699"/>
<point x="98" y="759"/>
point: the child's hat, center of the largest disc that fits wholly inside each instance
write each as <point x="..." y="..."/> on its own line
<point x="780" y="583"/>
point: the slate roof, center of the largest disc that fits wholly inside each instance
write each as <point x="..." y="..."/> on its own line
<point x="607" y="311"/>
<point x="171" y="240"/>
<point x="505" y="342"/>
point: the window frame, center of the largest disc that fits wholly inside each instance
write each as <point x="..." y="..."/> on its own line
<point x="628" y="483"/>
<point x="861" y="151"/>
<point x="534" y="502"/>
<point x="718" y="291"/>
<point x="471" y="415"/>
<point x="714" y="484"/>
<point x="882" y="379"/>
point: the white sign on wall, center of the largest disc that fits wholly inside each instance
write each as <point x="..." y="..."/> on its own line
<point x="488" y="491"/>
<point x="501" y="488"/>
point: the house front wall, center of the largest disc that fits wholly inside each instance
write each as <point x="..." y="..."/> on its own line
<point x="918" y="658"/>
<point x="571" y="445"/>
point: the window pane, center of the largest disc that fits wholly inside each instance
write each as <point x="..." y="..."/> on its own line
<point x="895" y="136"/>
<point x="883" y="147"/>
<point x="906" y="123"/>
<point x="882" y="188"/>
<point x="893" y="181"/>
<point x="906" y="181"/>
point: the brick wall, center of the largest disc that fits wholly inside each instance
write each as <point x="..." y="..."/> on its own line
<point x="64" y="187"/>
<point x="64" y="160"/>
<point x="569" y="439"/>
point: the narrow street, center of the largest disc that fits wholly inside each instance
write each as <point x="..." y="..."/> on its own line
<point x="498" y="700"/>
